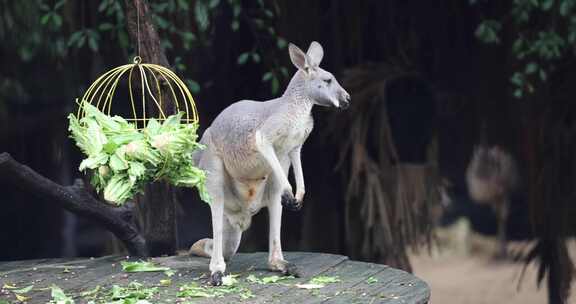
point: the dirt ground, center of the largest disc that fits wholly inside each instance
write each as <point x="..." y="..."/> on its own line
<point x="473" y="280"/>
<point x="471" y="276"/>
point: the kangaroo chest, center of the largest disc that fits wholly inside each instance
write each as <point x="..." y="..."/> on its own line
<point x="293" y="135"/>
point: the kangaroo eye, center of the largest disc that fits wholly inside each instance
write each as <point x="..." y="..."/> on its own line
<point x="328" y="81"/>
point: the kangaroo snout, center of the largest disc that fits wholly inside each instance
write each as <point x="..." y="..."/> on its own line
<point x="344" y="101"/>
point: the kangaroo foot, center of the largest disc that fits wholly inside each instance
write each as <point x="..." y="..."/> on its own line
<point x="216" y="278"/>
<point x="289" y="201"/>
<point x="285" y="267"/>
<point x="292" y="270"/>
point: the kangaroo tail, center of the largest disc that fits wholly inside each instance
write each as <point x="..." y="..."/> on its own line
<point x="202" y="248"/>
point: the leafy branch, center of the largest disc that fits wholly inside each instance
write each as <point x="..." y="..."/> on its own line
<point x="260" y="23"/>
<point x="544" y="32"/>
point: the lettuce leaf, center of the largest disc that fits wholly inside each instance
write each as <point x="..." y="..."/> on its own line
<point x="94" y="161"/>
<point x="118" y="189"/>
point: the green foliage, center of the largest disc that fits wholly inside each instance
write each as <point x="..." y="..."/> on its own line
<point x="319" y="282"/>
<point x="488" y="30"/>
<point x="91" y="293"/>
<point x="201" y="14"/>
<point x="371" y="280"/>
<point x="274" y="79"/>
<point x="62" y="31"/>
<point x="133" y="293"/>
<point x="261" y="24"/>
<point x="123" y="159"/>
<point x="141" y="266"/>
<point x="23" y="290"/>
<point x="267" y="280"/>
<point x="543" y="33"/>
<point x="325" y="280"/>
<point x="88" y="37"/>
<point x="59" y="296"/>
<point x="229" y="286"/>
<point x="51" y="16"/>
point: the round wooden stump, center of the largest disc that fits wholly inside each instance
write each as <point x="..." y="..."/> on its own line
<point x="359" y="282"/>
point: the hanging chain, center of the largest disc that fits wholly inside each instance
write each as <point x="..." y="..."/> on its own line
<point x="137" y="59"/>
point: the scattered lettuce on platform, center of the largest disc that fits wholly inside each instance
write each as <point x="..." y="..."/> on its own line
<point x="141" y="266"/>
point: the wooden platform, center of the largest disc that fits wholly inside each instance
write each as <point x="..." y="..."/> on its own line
<point x="359" y="282"/>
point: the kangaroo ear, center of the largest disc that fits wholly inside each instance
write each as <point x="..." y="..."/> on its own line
<point x="315" y="53"/>
<point x="299" y="58"/>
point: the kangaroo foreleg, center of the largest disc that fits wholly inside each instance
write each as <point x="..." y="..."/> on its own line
<point x="267" y="151"/>
<point x="296" y="160"/>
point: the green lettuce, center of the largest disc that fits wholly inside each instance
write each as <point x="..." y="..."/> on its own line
<point x="122" y="159"/>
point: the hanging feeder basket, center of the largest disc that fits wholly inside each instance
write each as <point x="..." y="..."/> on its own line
<point x="150" y="144"/>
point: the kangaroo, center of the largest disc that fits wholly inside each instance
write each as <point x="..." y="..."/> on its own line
<point x="491" y="177"/>
<point x="250" y="148"/>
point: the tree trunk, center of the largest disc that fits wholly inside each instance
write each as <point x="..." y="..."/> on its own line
<point x="77" y="199"/>
<point x="157" y="205"/>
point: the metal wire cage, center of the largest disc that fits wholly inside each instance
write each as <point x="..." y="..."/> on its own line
<point x="146" y="84"/>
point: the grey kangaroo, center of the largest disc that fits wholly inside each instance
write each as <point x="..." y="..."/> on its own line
<point x="250" y="148"/>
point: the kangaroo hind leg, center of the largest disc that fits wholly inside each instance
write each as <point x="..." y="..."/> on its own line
<point x="215" y="185"/>
<point x="231" y="237"/>
<point x="276" y="260"/>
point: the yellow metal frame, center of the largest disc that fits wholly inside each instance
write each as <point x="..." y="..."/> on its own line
<point x="101" y="93"/>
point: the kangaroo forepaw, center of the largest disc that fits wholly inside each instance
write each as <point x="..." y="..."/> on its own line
<point x="216" y="278"/>
<point x="289" y="202"/>
<point x="292" y="270"/>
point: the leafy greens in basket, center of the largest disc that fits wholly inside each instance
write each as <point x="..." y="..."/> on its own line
<point x="123" y="159"/>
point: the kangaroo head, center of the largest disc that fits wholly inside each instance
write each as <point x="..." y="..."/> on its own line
<point x="319" y="85"/>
